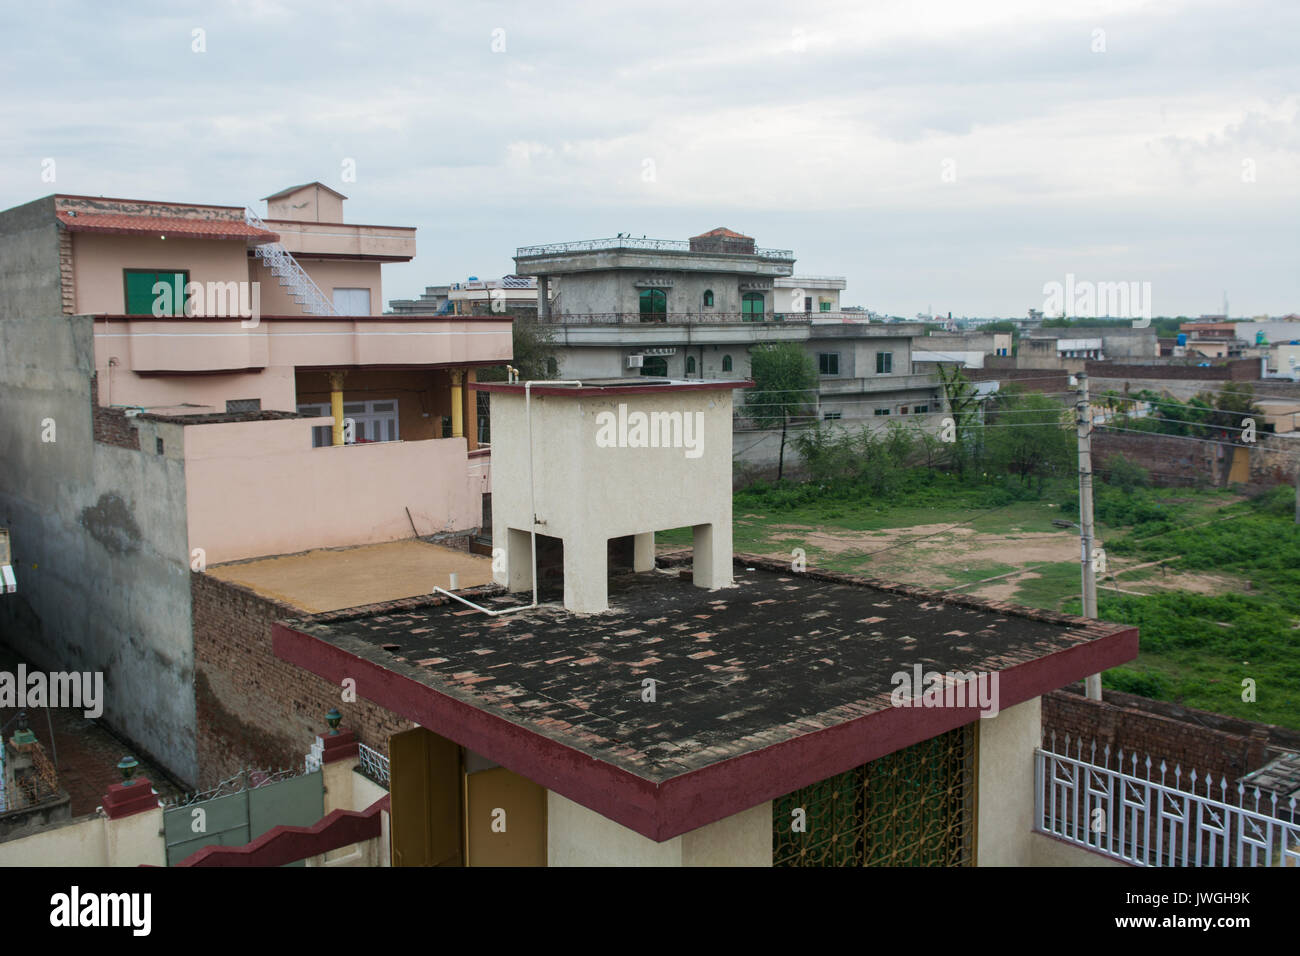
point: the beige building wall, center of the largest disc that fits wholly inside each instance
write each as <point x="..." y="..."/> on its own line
<point x="328" y="274"/>
<point x="91" y="841"/>
<point x="118" y="385"/>
<point x="259" y="488"/>
<point x="1049" y="851"/>
<point x="577" y="836"/>
<point x="1005" y="802"/>
<point x="99" y="262"/>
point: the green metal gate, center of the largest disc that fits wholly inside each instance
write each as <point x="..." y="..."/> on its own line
<point x="914" y="807"/>
<point x="239" y="810"/>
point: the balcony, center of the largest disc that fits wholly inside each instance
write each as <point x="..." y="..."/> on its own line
<point x="148" y="344"/>
<point x="876" y="383"/>
<point x="685" y="318"/>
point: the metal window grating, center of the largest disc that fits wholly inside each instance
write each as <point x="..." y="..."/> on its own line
<point x="914" y="807"/>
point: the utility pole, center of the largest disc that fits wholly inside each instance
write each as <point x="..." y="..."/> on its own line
<point x="1092" y="684"/>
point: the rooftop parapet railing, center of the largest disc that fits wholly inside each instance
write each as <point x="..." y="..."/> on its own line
<point x="653" y="245"/>
<point x="684" y="318"/>
<point x="1127" y="814"/>
<point x="374" y="765"/>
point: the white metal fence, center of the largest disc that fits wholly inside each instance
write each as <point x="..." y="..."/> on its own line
<point x="374" y="765"/>
<point x="1125" y="813"/>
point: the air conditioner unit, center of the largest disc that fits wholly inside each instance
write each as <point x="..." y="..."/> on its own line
<point x="636" y="361"/>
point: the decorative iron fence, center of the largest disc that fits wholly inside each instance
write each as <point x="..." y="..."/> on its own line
<point x="374" y="765"/>
<point x="1126" y="814"/>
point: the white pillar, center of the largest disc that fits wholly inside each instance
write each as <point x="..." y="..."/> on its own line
<point x="586" y="574"/>
<point x="518" y="574"/>
<point x="712" y="559"/>
<point x="643" y="552"/>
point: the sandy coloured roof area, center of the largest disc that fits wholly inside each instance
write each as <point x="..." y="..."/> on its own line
<point x="329" y="579"/>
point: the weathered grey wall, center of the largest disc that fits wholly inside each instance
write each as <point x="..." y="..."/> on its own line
<point x="29" y="261"/>
<point x="616" y="291"/>
<point x="99" y="537"/>
<point x="583" y="362"/>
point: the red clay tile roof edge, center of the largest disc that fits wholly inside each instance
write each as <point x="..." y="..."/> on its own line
<point x="123" y="224"/>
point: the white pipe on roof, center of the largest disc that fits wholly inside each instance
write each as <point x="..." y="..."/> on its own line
<point x="532" y="506"/>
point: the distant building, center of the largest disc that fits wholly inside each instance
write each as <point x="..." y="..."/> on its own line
<point x="693" y="310"/>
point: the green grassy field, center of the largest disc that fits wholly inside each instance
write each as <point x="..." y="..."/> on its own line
<point x="1221" y="608"/>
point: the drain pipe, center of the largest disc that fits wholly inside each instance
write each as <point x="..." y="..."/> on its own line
<point x="532" y="507"/>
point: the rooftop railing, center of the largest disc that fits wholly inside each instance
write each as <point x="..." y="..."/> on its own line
<point x="1127" y="814"/>
<point x="374" y="764"/>
<point x="684" y="318"/>
<point x="652" y="245"/>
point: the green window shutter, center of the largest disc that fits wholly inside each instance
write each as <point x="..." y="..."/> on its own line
<point x="140" y="290"/>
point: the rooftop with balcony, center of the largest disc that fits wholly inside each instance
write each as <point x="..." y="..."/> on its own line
<point x="719" y="250"/>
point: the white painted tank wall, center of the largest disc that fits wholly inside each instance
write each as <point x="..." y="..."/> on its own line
<point x="587" y="494"/>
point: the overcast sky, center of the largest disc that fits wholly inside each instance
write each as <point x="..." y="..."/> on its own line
<point x="955" y="156"/>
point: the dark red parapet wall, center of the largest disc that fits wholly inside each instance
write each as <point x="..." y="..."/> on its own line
<point x="281" y="845"/>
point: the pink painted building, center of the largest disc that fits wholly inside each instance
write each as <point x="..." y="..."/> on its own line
<point x="190" y="384"/>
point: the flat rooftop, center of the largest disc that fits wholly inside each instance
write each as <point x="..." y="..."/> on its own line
<point x="328" y="579"/>
<point x="761" y="688"/>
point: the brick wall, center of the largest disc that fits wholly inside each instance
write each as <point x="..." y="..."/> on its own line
<point x="1197" y="740"/>
<point x="1234" y="370"/>
<point x="110" y="425"/>
<point x="1049" y="380"/>
<point x="1170" y="460"/>
<point x="254" y="710"/>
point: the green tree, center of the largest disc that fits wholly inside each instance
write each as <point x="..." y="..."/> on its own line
<point x="1030" y="437"/>
<point x="964" y="407"/>
<point x="534" y="352"/>
<point x="1234" y="403"/>
<point x="785" y="387"/>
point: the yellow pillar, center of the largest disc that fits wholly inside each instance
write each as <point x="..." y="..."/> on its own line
<point x="336" y="404"/>
<point x="457" y="406"/>
<point x="471" y="410"/>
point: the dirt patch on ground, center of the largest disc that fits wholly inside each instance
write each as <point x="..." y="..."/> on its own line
<point x="1003" y="589"/>
<point x="1028" y="547"/>
<point x="1197" y="582"/>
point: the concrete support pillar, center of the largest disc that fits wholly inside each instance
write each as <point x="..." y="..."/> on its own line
<point x="712" y="560"/>
<point x="336" y="404"/>
<point x="643" y="552"/>
<point x="339" y="756"/>
<point x="544" y="298"/>
<point x="1005" y="803"/>
<point x="518" y="572"/>
<point x="586" y="575"/>
<point x="457" y="403"/>
<point x="133" y="825"/>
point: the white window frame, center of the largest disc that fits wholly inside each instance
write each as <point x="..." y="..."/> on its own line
<point x="367" y="421"/>
<point x="346" y="307"/>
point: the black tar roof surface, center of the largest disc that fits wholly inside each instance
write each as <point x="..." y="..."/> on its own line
<point x="777" y="656"/>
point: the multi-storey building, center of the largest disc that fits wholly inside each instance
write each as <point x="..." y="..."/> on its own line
<point x="188" y="384"/>
<point x="626" y="307"/>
